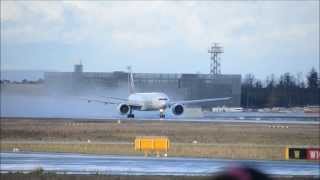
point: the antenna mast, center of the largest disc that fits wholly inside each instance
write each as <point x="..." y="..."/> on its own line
<point x="214" y="52"/>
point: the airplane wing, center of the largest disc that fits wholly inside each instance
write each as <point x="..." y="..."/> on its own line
<point x="100" y="101"/>
<point x="200" y="101"/>
<point x="124" y="101"/>
<point x="115" y="98"/>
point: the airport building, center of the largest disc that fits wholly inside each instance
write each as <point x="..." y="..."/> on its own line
<point x="176" y="86"/>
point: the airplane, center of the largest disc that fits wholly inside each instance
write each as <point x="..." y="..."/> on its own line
<point x="149" y="101"/>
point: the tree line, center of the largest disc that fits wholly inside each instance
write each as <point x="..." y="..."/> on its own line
<point x="286" y="91"/>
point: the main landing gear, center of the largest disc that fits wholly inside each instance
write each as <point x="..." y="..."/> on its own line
<point x="130" y="115"/>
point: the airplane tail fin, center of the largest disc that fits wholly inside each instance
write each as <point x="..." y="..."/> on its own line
<point x="130" y="81"/>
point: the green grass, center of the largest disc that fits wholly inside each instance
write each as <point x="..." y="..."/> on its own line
<point x="214" y="140"/>
<point x="186" y="150"/>
<point x="178" y="132"/>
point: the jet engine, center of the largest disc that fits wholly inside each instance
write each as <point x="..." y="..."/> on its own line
<point x="177" y="109"/>
<point x="123" y="108"/>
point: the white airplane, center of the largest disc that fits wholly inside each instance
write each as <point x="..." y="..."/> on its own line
<point x="153" y="101"/>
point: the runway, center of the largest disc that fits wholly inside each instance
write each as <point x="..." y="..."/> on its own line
<point x="56" y="107"/>
<point x="174" y="120"/>
<point x="133" y="165"/>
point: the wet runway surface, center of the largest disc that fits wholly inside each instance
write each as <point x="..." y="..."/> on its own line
<point x="133" y="165"/>
<point x="59" y="107"/>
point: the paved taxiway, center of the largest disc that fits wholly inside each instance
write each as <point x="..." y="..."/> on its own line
<point x="107" y="164"/>
<point x="222" y="120"/>
<point x="179" y="120"/>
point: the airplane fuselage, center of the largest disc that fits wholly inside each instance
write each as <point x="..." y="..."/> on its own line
<point x="149" y="101"/>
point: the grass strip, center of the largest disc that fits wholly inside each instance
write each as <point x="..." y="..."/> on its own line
<point x="176" y="150"/>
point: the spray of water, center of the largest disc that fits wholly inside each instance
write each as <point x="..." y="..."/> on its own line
<point x="40" y="100"/>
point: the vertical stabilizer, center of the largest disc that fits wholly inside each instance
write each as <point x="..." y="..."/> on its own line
<point x="130" y="81"/>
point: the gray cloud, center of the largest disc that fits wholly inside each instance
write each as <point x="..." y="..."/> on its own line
<point x="257" y="28"/>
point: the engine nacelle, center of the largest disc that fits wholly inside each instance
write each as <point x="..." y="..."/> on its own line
<point x="177" y="109"/>
<point x="123" y="108"/>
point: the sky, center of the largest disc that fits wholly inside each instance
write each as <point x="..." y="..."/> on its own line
<point x="259" y="37"/>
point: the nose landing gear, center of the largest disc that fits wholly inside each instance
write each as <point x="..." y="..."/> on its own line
<point x="162" y="115"/>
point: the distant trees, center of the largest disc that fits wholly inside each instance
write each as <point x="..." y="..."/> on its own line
<point x="287" y="91"/>
<point x="313" y="80"/>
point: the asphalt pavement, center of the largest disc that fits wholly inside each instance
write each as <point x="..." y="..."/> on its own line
<point x="136" y="165"/>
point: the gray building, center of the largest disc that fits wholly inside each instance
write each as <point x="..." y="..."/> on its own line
<point x="177" y="86"/>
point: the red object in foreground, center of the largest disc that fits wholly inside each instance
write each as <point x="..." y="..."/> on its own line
<point x="313" y="154"/>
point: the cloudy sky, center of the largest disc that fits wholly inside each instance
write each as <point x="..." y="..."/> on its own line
<point x="160" y="36"/>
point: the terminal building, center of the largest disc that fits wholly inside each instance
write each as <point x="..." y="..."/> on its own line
<point x="176" y="86"/>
